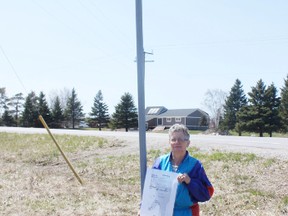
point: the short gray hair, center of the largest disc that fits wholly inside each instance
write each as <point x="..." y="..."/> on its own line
<point x="179" y="128"/>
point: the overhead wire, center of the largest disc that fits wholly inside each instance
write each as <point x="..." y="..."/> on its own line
<point x="76" y="32"/>
<point x="57" y="19"/>
<point x="13" y="68"/>
<point x="44" y="123"/>
<point x="111" y="23"/>
<point x="110" y="26"/>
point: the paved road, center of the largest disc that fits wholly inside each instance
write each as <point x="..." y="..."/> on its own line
<point x="263" y="146"/>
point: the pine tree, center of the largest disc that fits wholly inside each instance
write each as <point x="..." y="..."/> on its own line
<point x="125" y="115"/>
<point x="30" y="113"/>
<point x="272" y="102"/>
<point x="73" y="112"/>
<point x="99" y="114"/>
<point x="284" y="106"/>
<point x="233" y="103"/>
<point x="57" y="114"/>
<point x="253" y="117"/>
<point x="7" y="118"/>
<point x="44" y="110"/>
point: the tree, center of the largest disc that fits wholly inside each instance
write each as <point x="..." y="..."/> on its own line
<point x="63" y="96"/>
<point x="43" y="110"/>
<point x="214" y="101"/>
<point x="125" y="115"/>
<point x="17" y="103"/>
<point x="30" y="113"/>
<point x="204" y="120"/>
<point x="3" y="106"/>
<point x="283" y="112"/>
<point x="233" y="103"/>
<point x="253" y="117"/>
<point x="3" y="100"/>
<point x="7" y="118"/>
<point x="73" y="112"/>
<point x="57" y="114"/>
<point x="99" y="111"/>
<point x="272" y="102"/>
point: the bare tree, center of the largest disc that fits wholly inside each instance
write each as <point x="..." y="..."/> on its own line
<point x="3" y="98"/>
<point x="214" y="101"/>
<point x="63" y="95"/>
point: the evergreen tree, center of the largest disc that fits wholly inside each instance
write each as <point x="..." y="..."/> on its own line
<point x="57" y="114"/>
<point x="243" y="119"/>
<point x="125" y="115"/>
<point x="7" y="118"/>
<point x="99" y="113"/>
<point x="253" y="117"/>
<point x="30" y="113"/>
<point x="284" y="106"/>
<point x="16" y="102"/>
<point x="272" y="102"/>
<point x="74" y="110"/>
<point x="233" y="103"/>
<point x="43" y="110"/>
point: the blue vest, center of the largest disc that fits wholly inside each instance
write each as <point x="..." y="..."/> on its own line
<point x="183" y="201"/>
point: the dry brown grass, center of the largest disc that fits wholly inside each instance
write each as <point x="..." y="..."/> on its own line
<point x="35" y="180"/>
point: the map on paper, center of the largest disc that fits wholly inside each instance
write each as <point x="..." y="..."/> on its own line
<point x="159" y="193"/>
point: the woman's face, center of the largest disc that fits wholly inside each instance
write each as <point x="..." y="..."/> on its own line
<point x="178" y="142"/>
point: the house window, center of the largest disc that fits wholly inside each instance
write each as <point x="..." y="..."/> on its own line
<point x="177" y="119"/>
<point x="168" y="119"/>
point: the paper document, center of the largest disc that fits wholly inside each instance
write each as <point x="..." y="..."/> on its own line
<point x="159" y="193"/>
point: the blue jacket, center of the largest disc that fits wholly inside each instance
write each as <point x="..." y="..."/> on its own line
<point x="188" y="195"/>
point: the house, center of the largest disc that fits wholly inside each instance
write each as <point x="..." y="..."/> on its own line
<point x="194" y="119"/>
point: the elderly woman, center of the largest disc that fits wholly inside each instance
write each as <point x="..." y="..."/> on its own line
<point x="194" y="186"/>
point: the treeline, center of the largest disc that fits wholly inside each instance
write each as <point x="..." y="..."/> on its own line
<point x="263" y="111"/>
<point x="66" y="111"/>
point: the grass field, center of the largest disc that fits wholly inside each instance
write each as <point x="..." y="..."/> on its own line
<point x="35" y="180"/>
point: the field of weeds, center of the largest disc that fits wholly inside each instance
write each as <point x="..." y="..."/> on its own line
<point x="35" y="179"/>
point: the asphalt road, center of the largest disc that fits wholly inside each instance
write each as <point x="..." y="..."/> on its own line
<point x="262" y="146"/>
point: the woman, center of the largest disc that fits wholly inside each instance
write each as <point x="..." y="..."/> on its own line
<point x="194" y="186"/>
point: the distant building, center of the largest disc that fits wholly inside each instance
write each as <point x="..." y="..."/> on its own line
<point x="160" y="116"/>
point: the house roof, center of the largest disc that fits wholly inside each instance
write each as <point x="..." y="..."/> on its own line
<point x="177" y="112"/>
<point x="162" y="112"/>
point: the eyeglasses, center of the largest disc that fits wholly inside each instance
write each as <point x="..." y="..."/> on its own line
<point x="180" y="139"/>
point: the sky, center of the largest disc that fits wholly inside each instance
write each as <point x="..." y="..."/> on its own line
<point x="90" y="45"/>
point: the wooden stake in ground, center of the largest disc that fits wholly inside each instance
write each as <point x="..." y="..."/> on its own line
<point x="59" y="148"/>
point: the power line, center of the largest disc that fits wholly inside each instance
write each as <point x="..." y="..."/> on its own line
<point x="13" y="69"/>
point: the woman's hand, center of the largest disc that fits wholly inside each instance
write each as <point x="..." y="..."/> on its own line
<point x="183" y="178"/>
